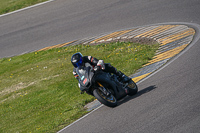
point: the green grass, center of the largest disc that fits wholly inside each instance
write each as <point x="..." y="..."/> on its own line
<point x="12" y="5"/>
<point x="38" y="92"/>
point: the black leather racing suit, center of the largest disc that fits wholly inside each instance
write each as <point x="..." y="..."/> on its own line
<point x="91" y="61"/>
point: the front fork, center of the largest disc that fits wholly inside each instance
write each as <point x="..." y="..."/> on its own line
<point x="104" y="90"/>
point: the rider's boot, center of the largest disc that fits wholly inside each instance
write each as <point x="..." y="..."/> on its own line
<point x="123" y="77"/>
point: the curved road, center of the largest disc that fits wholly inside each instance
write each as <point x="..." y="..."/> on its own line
<point x="168" y="101"/>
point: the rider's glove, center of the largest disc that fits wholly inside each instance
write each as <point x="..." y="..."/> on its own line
<point x="101" y="64"/>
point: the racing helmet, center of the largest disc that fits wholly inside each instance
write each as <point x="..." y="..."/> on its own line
<point x="77" y="59"/>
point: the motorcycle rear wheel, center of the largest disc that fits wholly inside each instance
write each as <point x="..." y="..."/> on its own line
<point x="132" y="87"/>
<point x="110" y="100"/>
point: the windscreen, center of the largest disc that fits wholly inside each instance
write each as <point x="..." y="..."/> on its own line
<point x="81" y="71"/>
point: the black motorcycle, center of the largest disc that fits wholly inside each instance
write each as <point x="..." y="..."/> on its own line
<point x="107" y="88"/>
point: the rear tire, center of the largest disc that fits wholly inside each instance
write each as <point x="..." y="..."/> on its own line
<point x="110" y="100"/>
<point x="132" y="87"/>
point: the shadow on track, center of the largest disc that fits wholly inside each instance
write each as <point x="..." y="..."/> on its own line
<point x="141" y="92"/>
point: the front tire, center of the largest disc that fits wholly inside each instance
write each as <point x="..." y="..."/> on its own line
<point x="110" y="100"/>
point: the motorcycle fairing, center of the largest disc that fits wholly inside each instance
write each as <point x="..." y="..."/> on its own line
<point x="85" y="77"/>
<point x="105" y="78"/>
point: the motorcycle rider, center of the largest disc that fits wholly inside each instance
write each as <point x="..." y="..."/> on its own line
<point x="78" y="60"/>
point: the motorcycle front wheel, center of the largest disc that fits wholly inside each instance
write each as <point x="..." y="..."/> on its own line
<point x="110" y="100"/>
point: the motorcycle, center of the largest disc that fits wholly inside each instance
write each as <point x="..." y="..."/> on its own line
<point x="107" y="88"/>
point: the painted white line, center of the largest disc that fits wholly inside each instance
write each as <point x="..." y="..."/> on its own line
<point x="80" y="119"/>
<point x="26" y="8"/>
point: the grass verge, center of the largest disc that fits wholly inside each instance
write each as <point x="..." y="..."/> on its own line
<point x="38" y="92"/>
<point x="12" y="5"/>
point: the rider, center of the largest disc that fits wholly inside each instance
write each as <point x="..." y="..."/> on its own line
<point x="79" y="60"/>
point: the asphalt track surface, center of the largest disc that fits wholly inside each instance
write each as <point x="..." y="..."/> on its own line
<point x="168" y="101"/>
